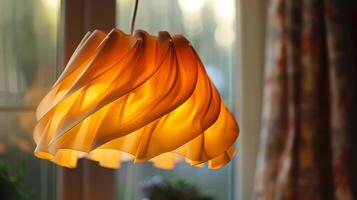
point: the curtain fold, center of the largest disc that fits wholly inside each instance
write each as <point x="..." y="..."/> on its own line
<point x="308" y="133"/>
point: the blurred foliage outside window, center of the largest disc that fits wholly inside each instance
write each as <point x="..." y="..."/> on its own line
<point x="28" y="32"/>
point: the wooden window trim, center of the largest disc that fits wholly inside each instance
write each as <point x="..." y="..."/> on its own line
<point x="88" y="181"/>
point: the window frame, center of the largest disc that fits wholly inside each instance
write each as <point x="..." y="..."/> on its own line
<point x="88" y="181"/>
<point x="251" y="31"/>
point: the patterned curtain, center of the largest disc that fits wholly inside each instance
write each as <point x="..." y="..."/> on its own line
<point x="309" y="127"/>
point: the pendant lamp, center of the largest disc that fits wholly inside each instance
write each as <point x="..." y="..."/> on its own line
<point x="135" y="97"/>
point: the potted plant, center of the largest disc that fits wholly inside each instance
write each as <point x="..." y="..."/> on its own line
<point x="10" y="185"/>
<point x="158" y="188"/>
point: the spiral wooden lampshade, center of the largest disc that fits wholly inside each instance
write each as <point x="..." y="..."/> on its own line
<point x="140" y="97"/>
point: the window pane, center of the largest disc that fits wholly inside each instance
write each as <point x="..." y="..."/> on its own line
<point x="209" y="25"/>
<point x="27" y="70"/>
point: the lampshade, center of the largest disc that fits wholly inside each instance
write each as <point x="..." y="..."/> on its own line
<point x="134" y="97"/>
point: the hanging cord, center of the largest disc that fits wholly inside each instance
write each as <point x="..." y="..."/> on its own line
<point x="134" y="17"/>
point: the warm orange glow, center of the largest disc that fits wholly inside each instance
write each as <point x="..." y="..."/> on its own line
<point x="140" y="97"/>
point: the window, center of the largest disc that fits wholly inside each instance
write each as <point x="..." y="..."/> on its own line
<point x="28" y="31"/>
<point x="209" y="25"/>
<point x="28" y="43"/>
